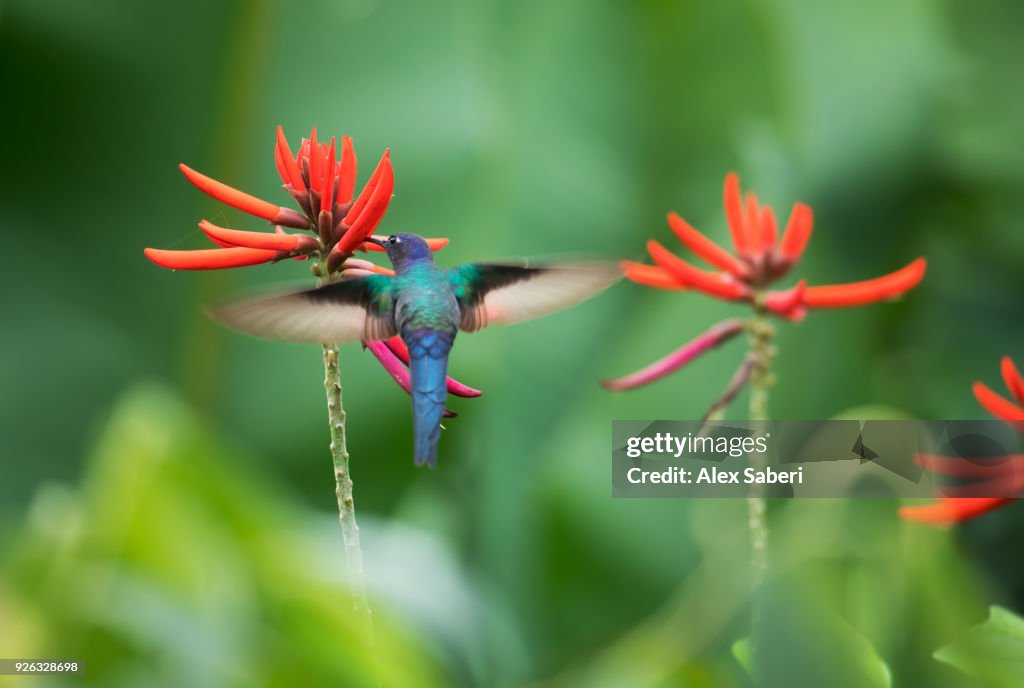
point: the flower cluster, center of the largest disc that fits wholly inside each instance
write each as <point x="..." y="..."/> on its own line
<point x="1007" y="473"/>
<point x="761" y="258"/>
<point x="322" y="180"/>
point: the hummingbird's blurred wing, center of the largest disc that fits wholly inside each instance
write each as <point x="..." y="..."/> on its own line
<point x="501" y="294"/>
<point x="346" y="310"/>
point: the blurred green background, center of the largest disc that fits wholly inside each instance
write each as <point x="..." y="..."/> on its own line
<point x="166" y="507"/>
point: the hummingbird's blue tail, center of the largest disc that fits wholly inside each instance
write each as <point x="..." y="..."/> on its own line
<point x="428" y="364"/>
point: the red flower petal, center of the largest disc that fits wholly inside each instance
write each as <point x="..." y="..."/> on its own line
<point x="391" y="363"/>
<point x="328" y="198"/>
<point x="372" y="212"/>
<point x="769" y="229"/>
<point x="365" y="267"/>
<point x="210" y="259"/>
<point x="998" y="406"/>
<point x="788" y="304"/>
<point x="262" y="240"/>
<point x="687" y="353"/>
<point x="868" y="291"/>
<point x="1013" y="380"/>
<point x="316" y="180"/>
<point x="461" y="390"/>
<point x="734" y="213"/>
<point x="346" y="172"/>
<point x="650" y="276"/>
<point x="1001" y="485"/>
<point x="231" y="196"/>
<point x="282" y="170"/>
<point x="752" y="224"/>
<point x="220" y="242"/>
<point x="367" y="192"/>
<point x="243" y="201"/>
<point x="948" y="511"/>
<point x="398" y="372"/>
<point x="1008" y="465"/>
<point x="706" y="249"/>
<point x="293" y="175"/>
<point x="399" y="349"/>
<point x="719" y="284"/>
<point x="797" y="234"/>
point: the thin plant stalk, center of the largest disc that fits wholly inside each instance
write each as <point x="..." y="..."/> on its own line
<point x="343" y="481"/>
<point x="761" y="353"/>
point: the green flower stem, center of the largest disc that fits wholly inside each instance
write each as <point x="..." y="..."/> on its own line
<point x="343" y="480"/>
<point x="762" y="351"/>
<point x="343" y="483"/>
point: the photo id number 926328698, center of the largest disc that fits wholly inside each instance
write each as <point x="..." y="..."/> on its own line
<point x="14" y="667"/>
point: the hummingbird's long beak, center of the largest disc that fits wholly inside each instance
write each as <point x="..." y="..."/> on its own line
<point x="375" y="240"/>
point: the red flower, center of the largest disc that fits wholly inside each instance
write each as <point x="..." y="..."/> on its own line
<point x="322" y="182"/>
<point x="950" y="510"/>
<point x="716" y="336"/>
<point x="761" y="258"/>
<point x="1002" y="408"/>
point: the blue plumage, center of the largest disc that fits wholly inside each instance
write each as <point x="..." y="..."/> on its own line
<point x="428" y="365"/>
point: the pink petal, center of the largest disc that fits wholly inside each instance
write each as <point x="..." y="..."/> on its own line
<point x="720" y="333"/>
<point x="455" y="387"/>
<point x="398" y="372"/>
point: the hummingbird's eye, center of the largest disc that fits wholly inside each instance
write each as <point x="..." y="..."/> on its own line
<point x="392" y="240"/>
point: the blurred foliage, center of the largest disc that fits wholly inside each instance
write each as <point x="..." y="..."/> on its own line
<point x="993" y="650"/>
<point x="138" y="536"/>
<point x="842" y="657"/>
<point x="122" y="581"/>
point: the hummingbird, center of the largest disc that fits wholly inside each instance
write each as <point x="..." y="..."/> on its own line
<point x="426" y="306"/>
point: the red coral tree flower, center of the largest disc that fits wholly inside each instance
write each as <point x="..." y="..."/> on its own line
<point x="950" y="510"/>
<point x="760" y="258"/>
<point x="321" y="178"/>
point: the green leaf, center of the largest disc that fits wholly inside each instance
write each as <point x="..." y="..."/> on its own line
<point x="871" y="668"/>
<point x="801" y="642"/>
<point x="992" y="651"/>
<point x="744" y="654"/>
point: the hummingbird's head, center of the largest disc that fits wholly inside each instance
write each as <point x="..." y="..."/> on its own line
<point x="405" y="249"/>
